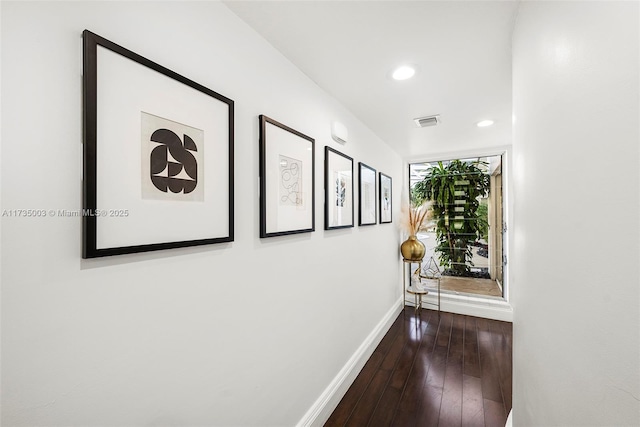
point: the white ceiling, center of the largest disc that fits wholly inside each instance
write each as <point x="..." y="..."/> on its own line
<point x="462" y="51"/>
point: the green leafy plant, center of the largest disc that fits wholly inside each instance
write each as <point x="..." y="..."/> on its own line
<point x="455" y="190"/>
<point x="482" y="214"/>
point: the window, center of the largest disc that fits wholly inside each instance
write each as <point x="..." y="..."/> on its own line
<point x="465" y="237"/>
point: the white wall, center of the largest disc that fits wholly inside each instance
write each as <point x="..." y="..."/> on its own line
<point x="575" y="252"/>
<point x="248" y="333"/>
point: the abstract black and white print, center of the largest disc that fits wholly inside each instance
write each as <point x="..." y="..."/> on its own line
<point x="172" y="156"/>
<point x="290" y="181"/>
<point x="341" y="189"/>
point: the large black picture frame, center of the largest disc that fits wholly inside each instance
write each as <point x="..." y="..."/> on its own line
<point x="367" y="191"/>
<point x="287" y="180"/>
<point x="123" y="212"/>
<point x="338" y="190"/>
<point x="386" y="200"/>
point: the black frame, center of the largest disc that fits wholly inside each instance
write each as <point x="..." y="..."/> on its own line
<point x="91" y="42"/>
<point x="362" y="166"/>
<point x="380" y="177"/>
<point x="328" y="151"/>
<point x="263" y="121"/>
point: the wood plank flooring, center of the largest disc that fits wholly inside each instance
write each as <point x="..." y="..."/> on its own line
<point x="430" y="370"/>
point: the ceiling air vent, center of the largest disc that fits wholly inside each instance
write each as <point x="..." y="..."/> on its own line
<point x="423" y="122"/>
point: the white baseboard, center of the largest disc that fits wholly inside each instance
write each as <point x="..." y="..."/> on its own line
<point x="470" y="306"/>
<point x="323" y="407"/>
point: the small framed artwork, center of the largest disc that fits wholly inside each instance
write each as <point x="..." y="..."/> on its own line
<point x="287" y="180"/>
<point x="338" y="189"/>
<point x="366" y="195"/>
<point x="157" y="156"/>
<point x="385" y="198"/>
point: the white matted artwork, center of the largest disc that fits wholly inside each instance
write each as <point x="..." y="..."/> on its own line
<point x="367" y="195"/>
<point x="127" y="99"/>
<point x="172" y="160"/>
<point x="338" y="171"/>
<point x="386" y="201"/>
<point x="287" y="157"/>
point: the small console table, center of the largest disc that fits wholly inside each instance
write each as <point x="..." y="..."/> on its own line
<point x="417" y="293"/>
<point x="430" y="272"/>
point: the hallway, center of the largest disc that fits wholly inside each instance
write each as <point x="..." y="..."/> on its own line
<point x="428" y="371"/>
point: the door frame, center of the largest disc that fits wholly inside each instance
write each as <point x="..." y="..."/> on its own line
<point x="506" y="152"/>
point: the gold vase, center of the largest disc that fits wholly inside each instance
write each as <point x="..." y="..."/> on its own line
<point x="412" y="249"/>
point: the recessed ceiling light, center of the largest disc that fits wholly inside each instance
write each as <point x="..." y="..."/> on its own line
<point x="403" y="73"/>
<point x="485" y="123"/>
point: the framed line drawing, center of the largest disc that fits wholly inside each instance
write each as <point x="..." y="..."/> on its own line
<point x="338" y="189"/>
<point x="386" y="203"/>
<point x="287" y="180"/>
<point x="157" y="156"/>
<point x="366" y="195"/>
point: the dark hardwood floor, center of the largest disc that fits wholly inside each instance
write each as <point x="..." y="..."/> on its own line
<point x="430" y="370"/>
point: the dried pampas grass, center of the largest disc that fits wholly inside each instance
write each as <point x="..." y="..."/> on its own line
<point x="416" y="218"/>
